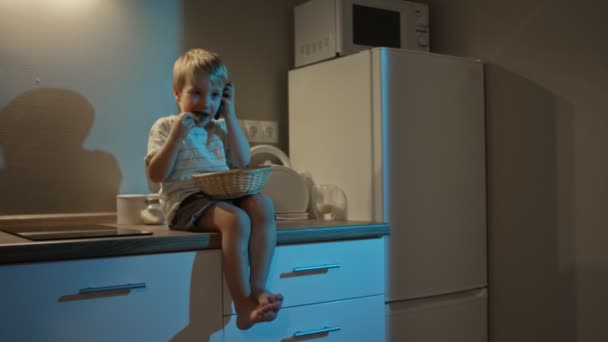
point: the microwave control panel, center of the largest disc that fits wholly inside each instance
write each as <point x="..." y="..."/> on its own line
<point x="326" y="29"/>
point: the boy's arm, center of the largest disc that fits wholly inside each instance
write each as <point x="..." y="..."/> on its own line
<point x="159" y="166"/>
<point x="238" y="146"/>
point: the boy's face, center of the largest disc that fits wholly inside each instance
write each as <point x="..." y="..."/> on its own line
<point x="202" y="98"/>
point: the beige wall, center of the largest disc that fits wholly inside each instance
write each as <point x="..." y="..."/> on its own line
<point x="547" y="118"/>
<point x="83" y="81"/>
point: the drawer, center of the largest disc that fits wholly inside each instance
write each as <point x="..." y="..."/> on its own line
<point x="134" y="298"/>
<point x="321" y="272"/>
<point x="460" y="316"/>
<point x="360" y="319"/>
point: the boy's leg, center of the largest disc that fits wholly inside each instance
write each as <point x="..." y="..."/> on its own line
<point x="235" y="227"/>
<point x="261" y="246"/>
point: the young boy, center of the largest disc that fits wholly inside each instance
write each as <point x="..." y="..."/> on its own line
<point x="194" y="142"/>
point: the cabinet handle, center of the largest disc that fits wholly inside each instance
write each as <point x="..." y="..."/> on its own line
<point x="315" y="268"/>
<point x="315" y="332"/>
<point x="112" y="288"/>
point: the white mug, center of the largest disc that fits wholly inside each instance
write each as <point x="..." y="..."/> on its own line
<point x="129" y="208"/>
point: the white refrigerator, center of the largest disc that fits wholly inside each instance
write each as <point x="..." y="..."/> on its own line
<point x="403" y="134"/>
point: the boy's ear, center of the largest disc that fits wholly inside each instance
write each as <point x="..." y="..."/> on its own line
<point x="175" y="92"/>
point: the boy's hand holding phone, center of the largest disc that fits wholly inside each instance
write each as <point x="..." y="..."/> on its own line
<point x="227" y="101"/>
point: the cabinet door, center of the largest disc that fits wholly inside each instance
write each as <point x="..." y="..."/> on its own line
<point x="322" y="272"/>
<point x="457" y="317"/>
<point x="359" y="319"/>
<point x="137" y="298"/>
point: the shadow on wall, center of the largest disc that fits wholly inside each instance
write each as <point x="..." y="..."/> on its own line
<point x="531" y="213"/>
<point x="45" y="169"/>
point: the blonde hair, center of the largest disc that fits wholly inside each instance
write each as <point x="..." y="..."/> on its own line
<point x="196" y="63"/>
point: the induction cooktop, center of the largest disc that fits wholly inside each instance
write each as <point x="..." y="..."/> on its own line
<point x="68" y="232"/>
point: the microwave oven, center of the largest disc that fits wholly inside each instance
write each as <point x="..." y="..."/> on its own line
<point x="326" y="29"/>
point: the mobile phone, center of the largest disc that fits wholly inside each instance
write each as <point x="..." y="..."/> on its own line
<point x="220" y="109"/>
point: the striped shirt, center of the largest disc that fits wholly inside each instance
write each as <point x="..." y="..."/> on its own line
<point x="203" y="150"/>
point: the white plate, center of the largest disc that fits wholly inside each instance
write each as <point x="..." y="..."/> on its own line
<point x="292" y="214"/>
<point x="287" y="189"/>
<point x="266" y="154"/>
<point x="281" y="217"/>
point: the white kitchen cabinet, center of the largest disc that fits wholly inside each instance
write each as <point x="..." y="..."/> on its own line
<point x="333" y="291"/>
<point x="356" y="320"/>
<point x="336" y="287"/>
<point x="157" y="297"/>
<point x="322" y="272"/>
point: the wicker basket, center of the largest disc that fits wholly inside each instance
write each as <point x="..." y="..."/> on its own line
<point x="233" y="183"/>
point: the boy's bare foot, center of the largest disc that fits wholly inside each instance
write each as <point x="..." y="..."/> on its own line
<point x="267" y="297"/>
<point x="251" y="313"/>
<point x="262" y="307"/>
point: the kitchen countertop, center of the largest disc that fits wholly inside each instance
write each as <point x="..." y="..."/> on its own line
<point x="14" y="249"/>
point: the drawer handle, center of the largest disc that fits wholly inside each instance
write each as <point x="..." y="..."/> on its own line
<point x="315" y="268"/>
<point x="315" y="332"/>
<point x="112" y="288"/>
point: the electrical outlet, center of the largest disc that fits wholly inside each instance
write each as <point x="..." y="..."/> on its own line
<point x="260" y="131"/>
<point x="251" y="129"/>
<point x="270" y="132"/>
